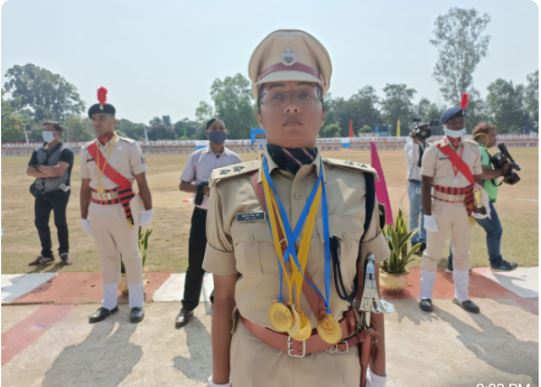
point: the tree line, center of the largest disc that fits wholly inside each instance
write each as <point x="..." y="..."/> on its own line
<point x="32" y="94"/>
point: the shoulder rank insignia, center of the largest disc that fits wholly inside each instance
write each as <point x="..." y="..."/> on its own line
<point x="233" y="170"/>
<point x="350" y="164"/>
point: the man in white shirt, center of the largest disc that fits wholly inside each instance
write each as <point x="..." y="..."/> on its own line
<point x="414" y="153"/>
<point x="195" y="179"/>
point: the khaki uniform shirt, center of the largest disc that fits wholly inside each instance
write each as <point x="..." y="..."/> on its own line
<point x="247" y="248"/>
<point x="438" y="166"/>
<point x="123" y="154"/>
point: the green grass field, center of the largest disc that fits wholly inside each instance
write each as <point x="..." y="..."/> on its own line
<point x="517" y="206"/>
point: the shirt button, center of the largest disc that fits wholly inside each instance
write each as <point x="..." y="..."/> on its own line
<point x="297" y="196"/>
<point x="251" y="237"/>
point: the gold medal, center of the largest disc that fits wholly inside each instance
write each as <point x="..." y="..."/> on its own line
<point x="329" y="329"/>
<point x="306" y="328"/>
<point x="296" y="327"/>
<point x="280" y="316"/>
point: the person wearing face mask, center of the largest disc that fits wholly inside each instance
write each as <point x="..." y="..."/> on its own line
<point x="51" y="165"/>
<point x="194" y="179"/>
<point x="485" y="135"/>
<point x="110" y="209"/>
<point x="450" y="169"/>
<point x="288" y="238"/>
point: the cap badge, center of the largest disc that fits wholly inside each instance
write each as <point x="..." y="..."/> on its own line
<point x="289" y="57"/>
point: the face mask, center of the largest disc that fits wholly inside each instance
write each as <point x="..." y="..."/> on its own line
<point x="47" y="135"/>
<point x="217" y="137"/>
<point x="455" y="133"/>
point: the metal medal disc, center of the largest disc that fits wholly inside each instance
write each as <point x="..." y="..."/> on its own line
<point x="306" y="328"/>
<point x="296" y="327"/>
<point x="329" y="329"/>
<point x="280" y="316"/>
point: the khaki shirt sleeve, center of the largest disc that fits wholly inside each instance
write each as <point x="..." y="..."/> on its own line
<point x="137" y="161"/>
<point x="219" y="255"/>
<point x="374" y="241"/>
<point x="477" y="168"/>
<point x="85" y="173"/>
<point x="428" y="163"/>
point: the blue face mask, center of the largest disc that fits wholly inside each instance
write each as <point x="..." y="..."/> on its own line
<point x="455" y="133"/>
<point x="47" y="135"/>
<point x="217" y="137"/>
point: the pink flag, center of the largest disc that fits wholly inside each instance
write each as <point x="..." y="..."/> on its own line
<point x="381" y="188"/>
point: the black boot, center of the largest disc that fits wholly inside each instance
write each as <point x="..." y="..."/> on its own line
<point x="426" y="305"/>
<point x="137" y="314"/>
<point x="101" y="314"/>
<point x="183" y="318"/>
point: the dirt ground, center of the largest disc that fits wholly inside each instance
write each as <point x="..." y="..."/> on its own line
<point x="517" y="206"/>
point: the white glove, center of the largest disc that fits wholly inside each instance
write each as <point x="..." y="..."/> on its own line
<point x="430" y="223"/>
<point x="145" y="218"/>
<point x="374" y="380"/>
<point x="482" y="200"/>
<point x="212" y="384"/>
<point x="85" y="225"/>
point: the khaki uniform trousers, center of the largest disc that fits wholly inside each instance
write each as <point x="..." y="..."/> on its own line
<point x="254" y="364"/>
<point x="452" y="220"/>
<point x="115" y="237"/>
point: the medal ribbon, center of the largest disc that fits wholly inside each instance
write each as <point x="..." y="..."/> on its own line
<point x="309" y="211"/>
<point x="278" y="218"/>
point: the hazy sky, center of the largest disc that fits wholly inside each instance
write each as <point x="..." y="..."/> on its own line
<point x="160" y="57"/>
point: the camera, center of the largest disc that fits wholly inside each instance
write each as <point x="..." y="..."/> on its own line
<point x="503" y="158"/>
<point x="421" y="130"/>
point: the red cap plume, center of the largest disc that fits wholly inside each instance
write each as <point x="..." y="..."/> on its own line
<point x="102" y="95"/>
<point x="464" y="101"/>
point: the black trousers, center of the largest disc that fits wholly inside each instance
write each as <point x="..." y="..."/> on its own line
<point x="57" y="201"/>
<point x="196" y="252"/>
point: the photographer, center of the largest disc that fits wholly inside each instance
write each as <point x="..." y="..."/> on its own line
<point x="195" y="179"/>
<point x="494" y="167"/>
<point x="51" y="165"/>
<point x="414" y="153"/>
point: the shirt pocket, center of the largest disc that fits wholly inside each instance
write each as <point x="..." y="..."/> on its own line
<point x="252" y="245"/>
<point x="348" y="230"/>
<point x="443" y="167"/>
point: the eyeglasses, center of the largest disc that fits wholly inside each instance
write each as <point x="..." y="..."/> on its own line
<point x="301" y="97"/>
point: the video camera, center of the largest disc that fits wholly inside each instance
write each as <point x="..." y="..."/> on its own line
<point x="503" y="158"/>
<point x="421" y="130"/>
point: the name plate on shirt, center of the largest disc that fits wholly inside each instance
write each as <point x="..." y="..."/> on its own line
<point x="246" y="217"/>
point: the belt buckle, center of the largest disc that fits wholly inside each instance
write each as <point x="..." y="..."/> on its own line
<point x="108" y="195"/>
<point x="290" y="348"/>
<point x="101" y="196"/>
<point x="336" y="349"/>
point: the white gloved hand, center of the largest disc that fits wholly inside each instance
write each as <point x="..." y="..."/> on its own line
<point x="145" y="218"/>
<point x="212" y="384"/>
<point x="374" y="380"/>
<point x="482" y="201"/>
<point x="85" y="225"/>
<point x="430" y="223"/>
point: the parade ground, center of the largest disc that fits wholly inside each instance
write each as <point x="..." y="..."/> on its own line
<point x="168" y="248"/>
<point x="46" y="340"/>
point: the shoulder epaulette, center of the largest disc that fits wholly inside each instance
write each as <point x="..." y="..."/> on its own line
<point x="350" y="165"/>
<point x="127" y="139"/>
<point x="233" y="170"/>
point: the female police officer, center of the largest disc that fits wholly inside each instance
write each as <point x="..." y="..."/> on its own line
<point x="268" y="230"/>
